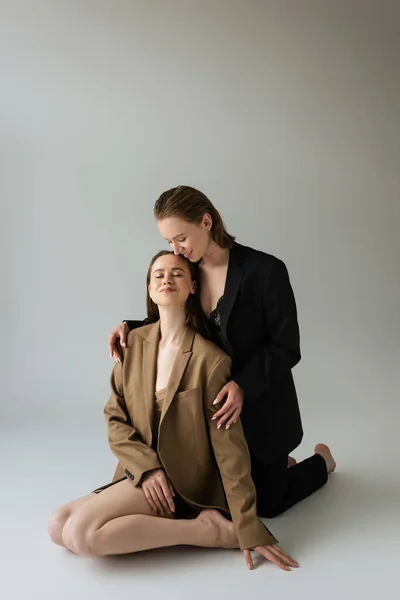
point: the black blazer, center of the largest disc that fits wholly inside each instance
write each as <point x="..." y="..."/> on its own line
<point x="259" y="331"/>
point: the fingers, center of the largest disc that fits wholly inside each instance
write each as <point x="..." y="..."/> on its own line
<point x="233" y="419"/>
<point x="122" y="335"/>
<point x="159" y="491"/>
<point x="163" y="502"/>
<point x="230" y="411"/>
<point x="161" y="494"/>
<point x="116" y="356"/>
<point x="221" y="395"/>
<point x="149" y="499"/>
<point x="111" y="344"/>
<point x="279" y="550"/>
<point x="227" y="416"/>
<point x="222" y="411"/>
<point x="249" y="560"/>
<point x="123" y="332"/>
<point x="284" y="557"/>
<point x="277" y="556"/>
<point x="167" y="497"/>
<point x="272" y="557"/>
<point x="112" y="347"/>
<point x="156" y="501"/>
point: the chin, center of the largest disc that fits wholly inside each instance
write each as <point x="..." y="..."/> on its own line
<point x="167" y="299"/>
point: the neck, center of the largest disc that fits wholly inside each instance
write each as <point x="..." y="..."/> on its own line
<point x="172" y="325"/>
<point x="214" y="256"/>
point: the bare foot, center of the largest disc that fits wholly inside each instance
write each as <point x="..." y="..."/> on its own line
<point x="291" y="462"/>
<point x="218" y="532"/>
<point x="326" y="454"/>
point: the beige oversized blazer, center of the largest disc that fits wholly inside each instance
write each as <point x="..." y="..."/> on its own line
<point x="208" y="467"/>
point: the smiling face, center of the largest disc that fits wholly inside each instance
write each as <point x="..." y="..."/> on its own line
<point x="189" y="239"/>
<point x="170" y="281"/>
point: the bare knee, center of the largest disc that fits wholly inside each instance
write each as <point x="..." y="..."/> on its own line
<point x="56" y="525"/>
<point x="80" y="537"/>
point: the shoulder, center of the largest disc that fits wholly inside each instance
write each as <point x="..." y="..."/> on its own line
<point x="212" y="366"/>
<point x="140" y="334"/>
<point x="259" y="266"/>
<point x="207" y="350"/>
<point x="250" y="257"/>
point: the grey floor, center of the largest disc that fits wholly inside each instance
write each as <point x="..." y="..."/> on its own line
<point x="346" y="536"/>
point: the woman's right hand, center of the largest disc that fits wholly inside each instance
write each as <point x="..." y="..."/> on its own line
<point x="119" y="333"/>
<point x="274" y="554"/>
<point x="158" y="491"/>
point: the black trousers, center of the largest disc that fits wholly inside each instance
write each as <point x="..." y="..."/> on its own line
<point x="278" y="488"/>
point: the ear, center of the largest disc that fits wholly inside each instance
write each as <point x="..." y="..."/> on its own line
<point x="207" y="221"/>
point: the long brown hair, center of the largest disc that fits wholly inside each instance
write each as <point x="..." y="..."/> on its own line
<point x="191" y="205"/>
<point x="195" y="317"/>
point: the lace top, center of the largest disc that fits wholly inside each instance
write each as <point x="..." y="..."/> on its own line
<point x="215" y="315"/>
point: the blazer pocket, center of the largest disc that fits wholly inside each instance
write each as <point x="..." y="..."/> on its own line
<point x="188" y="393"/>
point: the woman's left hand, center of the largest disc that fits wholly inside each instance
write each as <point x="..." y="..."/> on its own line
<point x="230" y="412"/>
<point x="273" y="554"/>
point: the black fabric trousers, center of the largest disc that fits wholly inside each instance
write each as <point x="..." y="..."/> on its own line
<point x="278" y="488"/>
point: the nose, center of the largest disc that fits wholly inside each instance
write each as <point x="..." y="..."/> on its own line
<point x="167" y="279"/>
<point x="176" y="248"/>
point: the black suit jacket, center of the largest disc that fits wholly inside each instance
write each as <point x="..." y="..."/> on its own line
<point x="259" y="331"/>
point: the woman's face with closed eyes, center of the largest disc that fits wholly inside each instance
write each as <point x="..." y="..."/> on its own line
<point x="170" y="281"/>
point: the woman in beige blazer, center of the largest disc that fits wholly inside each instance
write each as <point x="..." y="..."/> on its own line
<point x="180" y="479"/>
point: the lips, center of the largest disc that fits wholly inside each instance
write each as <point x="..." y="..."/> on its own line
<point x="188" y="254"/>
<point x="167" y="290"/>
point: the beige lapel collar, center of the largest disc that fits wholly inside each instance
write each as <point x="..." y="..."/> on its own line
<point x="150" y="350"/>
<point x="178" y="369"/>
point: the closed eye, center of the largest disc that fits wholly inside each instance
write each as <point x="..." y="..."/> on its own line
<point x="160" y="274"/>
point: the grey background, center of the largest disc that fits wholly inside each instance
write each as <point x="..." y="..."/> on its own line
<point x="286" y="114"/>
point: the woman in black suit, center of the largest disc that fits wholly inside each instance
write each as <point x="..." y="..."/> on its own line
<point x="249" y="303"/>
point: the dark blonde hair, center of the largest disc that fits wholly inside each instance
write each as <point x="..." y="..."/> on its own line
<point x="191" y="205"/>
<point x="194" y="313"/>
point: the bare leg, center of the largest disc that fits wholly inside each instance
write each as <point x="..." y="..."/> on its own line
<point x="326" y="454"/>
<point x="119" y="521"/>
<point x="135" y="533"/>
<point x="61" y="516"/>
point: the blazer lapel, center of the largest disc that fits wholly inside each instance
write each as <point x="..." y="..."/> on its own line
<point x="232" y="285"/>
<point x="178" y="369"/>
<point x="150" y="350"/>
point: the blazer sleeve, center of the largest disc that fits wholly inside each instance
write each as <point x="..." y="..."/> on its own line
<point x="280" y="351"/>
<point x="135" y="324"/>
<point x="233" y="459"/>
<point x="134" y="455"/>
